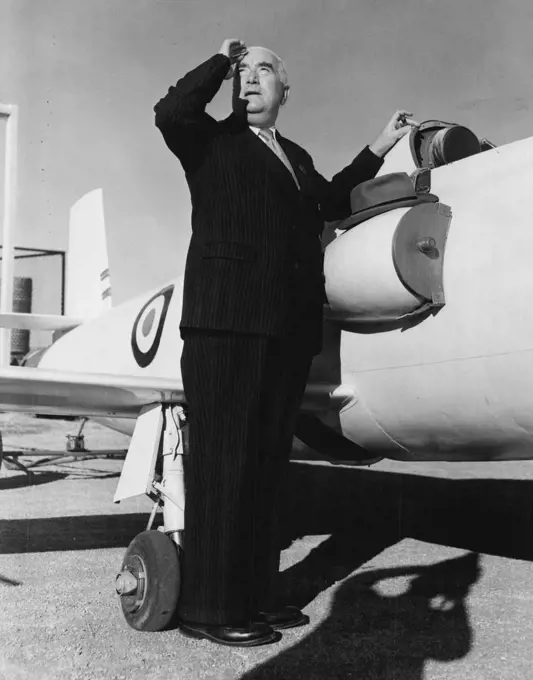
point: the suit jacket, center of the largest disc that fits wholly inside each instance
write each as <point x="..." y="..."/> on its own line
<point x="255" y="259"/>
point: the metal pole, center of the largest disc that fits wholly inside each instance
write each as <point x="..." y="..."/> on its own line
<point x="8" y="225"/>
<point x="63" y="274"/>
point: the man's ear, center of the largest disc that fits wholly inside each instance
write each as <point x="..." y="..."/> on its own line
<point x="285" y="95"/>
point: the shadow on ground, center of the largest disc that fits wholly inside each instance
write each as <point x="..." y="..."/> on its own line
<point x="21" y="480"/>
<point x="5" y="581"/>
<point x="70" y="533"/>
<point x="378" y="637"/>
<point x="363" y="512"/>
<point x="368" y="633"/>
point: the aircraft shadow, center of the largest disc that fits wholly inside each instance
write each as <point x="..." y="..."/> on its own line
<point x="20" y="480"/>
<point x="366" y="511"/>
<point x="70" y="533"/>
<point x="374" y="636"/>
<point x="363" y="512"/>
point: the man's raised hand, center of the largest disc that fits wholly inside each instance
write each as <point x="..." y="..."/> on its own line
<point x="398" y="126"/>
<point x="234" y="49"/>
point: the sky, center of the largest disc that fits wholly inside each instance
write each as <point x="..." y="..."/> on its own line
<point x="87" y="73"/>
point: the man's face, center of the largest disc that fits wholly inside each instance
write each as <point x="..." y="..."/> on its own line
<point x="261" y="86"/>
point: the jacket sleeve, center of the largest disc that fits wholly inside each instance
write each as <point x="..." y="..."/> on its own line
<point x="334" y="197"/>
<point x="181" y="115"/>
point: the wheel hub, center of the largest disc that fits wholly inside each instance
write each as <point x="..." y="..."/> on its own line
<point x="130" y="584"/>
<point x="126" y="583"/>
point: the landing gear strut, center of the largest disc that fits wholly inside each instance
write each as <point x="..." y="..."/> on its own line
<point x="149" y="580"/>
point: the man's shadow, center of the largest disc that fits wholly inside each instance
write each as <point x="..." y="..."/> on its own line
<point x="369" y="633"/>
<point x="379" y="635"/>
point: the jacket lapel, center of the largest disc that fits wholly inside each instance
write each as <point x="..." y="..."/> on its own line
<point x="268" y="159"/>
<point x="295" y="159"/>
<point x="274" y="164"/>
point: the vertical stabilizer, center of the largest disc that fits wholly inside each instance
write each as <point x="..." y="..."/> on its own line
<point x="88" y="289"/>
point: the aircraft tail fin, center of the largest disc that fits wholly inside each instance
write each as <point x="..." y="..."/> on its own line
<point x="88" y="287"/>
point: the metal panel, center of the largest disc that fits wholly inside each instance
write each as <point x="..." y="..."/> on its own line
<point x="418" y="250"/>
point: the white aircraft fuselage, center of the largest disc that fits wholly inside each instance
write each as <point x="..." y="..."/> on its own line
<point x="451" y="385"/>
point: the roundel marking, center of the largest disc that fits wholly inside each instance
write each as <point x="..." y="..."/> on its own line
<point x="148" y="327"/>
<point x="148" y="322"/>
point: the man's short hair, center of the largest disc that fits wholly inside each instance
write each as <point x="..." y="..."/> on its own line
<point x="282" y="71"/>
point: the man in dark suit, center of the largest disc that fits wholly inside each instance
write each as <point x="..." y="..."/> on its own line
<point x="251" y="324"/>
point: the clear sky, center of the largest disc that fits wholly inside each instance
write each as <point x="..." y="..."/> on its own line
<point x="87" y="73"/>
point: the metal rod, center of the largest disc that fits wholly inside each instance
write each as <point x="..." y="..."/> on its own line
<point x="43" y="251"/>
<point x="68" y="454"/>
<point x="63" y="276"/>
<point x="25" y="257"/>
<point x="8" y="226"/>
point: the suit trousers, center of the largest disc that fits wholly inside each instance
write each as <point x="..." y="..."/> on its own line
<point x="244" y="393"/>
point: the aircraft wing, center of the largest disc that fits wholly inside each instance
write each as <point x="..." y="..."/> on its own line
<point x="43" y="322"/>
<point x="54" y="392"/>
<point x="36" y="390"/>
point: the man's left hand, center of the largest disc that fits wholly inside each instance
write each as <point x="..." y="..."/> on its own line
<point x="398" y="126"/>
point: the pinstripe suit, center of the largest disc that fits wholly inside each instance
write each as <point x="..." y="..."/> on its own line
<point x="251" y="323"/>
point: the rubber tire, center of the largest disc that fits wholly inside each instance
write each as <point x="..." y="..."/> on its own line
<point x="160" y="557"/>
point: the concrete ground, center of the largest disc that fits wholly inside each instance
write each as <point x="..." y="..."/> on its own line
<point x="408" y="571"/>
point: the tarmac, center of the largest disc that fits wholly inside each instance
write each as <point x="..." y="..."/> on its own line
<point x="408" y="571"/>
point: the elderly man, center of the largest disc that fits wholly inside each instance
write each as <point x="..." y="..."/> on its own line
<point x="251" y="324"/>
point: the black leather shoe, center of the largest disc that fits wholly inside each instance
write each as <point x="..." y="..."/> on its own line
<point x="287" y="617"/>
<point x="247" y="636"/>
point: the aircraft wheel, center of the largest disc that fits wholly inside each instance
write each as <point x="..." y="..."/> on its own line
<point x="149" y="581"/>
